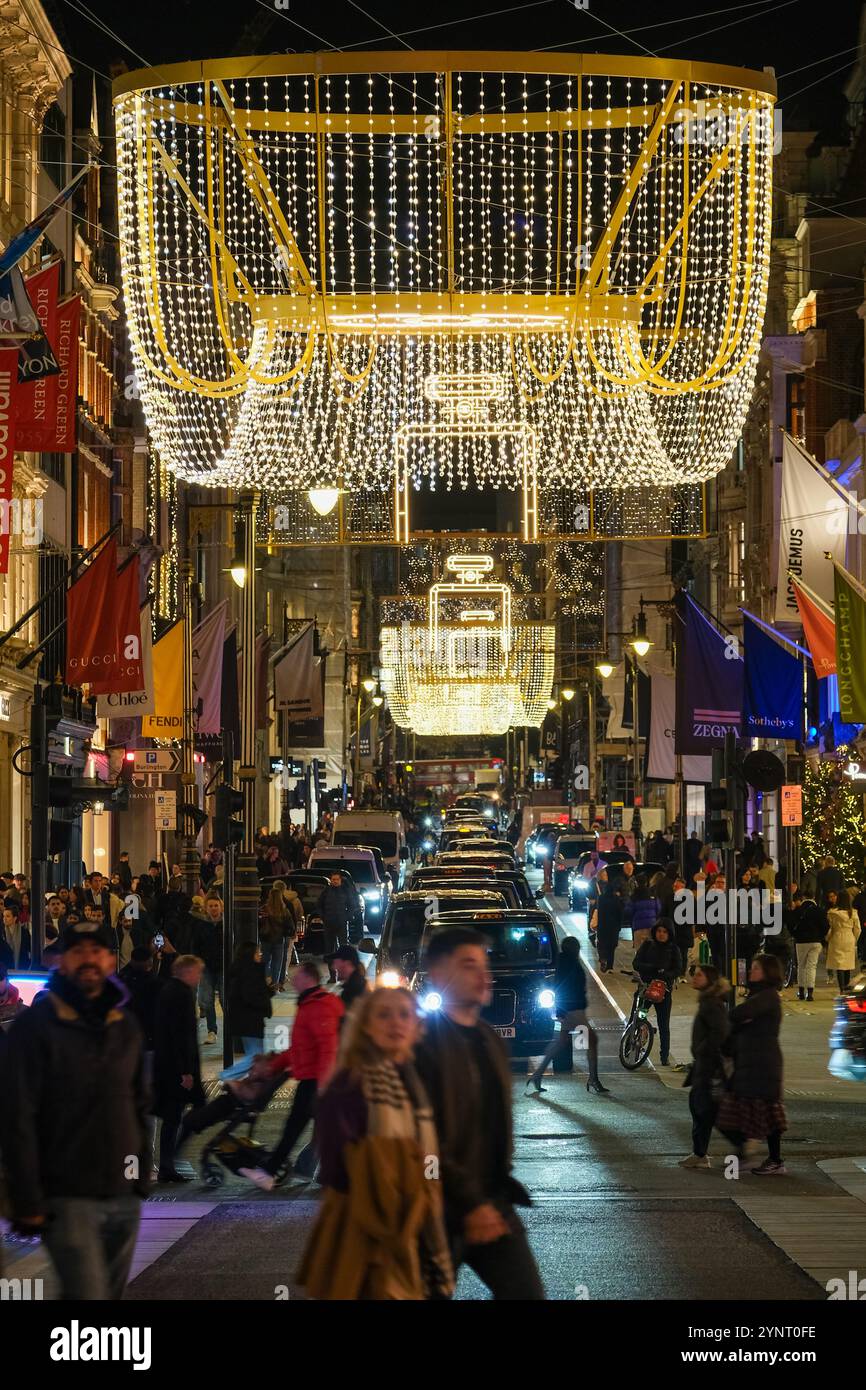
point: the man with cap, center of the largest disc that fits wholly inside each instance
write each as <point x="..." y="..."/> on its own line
<point x="346" y="964"/>
<point x="73" y="1113"/>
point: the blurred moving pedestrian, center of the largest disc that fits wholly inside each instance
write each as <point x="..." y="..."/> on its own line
<point x="705" y="1077"/>
<point x="466" y="1072"/>
<point x="375" y="1134"/>
<point x="249" y="997"/>
<point x="310" y="1060"/>
<point x="569" y="985"/>
<point x="73" y="1108"/>
<point x="347" y="967"/>
<point x="641" y="912"/>
<point x="843" y="933"/>
<point x="10" y="998"/>
<point x="209" y="946"/>
<point x="752" y="1107"/>
<point x="176" y="1061"/>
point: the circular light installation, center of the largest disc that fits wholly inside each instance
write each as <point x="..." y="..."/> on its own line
<point x="332" y="260"/>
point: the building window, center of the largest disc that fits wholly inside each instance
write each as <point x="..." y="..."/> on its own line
<point x="737" y="559"/>
<point x="52" y="145"/>
<point x="795" y="411"/>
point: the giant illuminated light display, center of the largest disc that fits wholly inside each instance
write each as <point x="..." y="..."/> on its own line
<point x="407" y="269"/>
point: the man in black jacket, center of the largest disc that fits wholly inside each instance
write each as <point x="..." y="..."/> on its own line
<point x="466" y="1071"/>
<point x="208" y="945"/>
<point x="346" y="964"/>
<point x="73" y="1109"/>
<point x="337" y="906"/>
<point x="809" y="928"/>
<point x="830" y="880"/>
<point x="176" y="1061"/>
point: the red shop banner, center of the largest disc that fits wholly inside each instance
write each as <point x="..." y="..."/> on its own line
<point x="9" y="399"/>
<point x="66" y="352"/>
<point x="37" y="419"/>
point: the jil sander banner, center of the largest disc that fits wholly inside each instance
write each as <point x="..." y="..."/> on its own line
<point x="813" y="520"/>
<point x="167" y="719"/>
<point x="850" y="646"/>
<point x="661" y="757"/>
<point x="8" y="404"/>
<point x="207" y="670"/>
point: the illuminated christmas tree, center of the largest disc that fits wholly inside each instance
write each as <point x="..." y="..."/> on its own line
<point x="833" y="821"/>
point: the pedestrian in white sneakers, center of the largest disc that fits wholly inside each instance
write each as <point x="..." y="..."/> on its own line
<point x="709" y="1031"/>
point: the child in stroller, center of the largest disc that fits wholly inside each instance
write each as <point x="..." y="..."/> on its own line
<point x="242" y="1101"/>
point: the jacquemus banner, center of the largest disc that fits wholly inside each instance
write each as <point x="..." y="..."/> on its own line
<point x="814" y="520"/>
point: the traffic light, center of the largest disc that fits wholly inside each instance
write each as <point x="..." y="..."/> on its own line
<point x="226" y="830"/>
<point x="319" y="779"/>
<point x="80" y="792"/>
<point x="196" y="816"/>
<point x="299" y="795"/>
<point x="722" y="795"/>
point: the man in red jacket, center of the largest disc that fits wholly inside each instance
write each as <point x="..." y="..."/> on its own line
<point x="310" y="1060"/>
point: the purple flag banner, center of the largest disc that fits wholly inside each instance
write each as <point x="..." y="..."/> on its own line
<point x="207" y="670"/>
<point x="710" y="672"/>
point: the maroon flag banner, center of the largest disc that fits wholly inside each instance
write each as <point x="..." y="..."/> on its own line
<point x="8" y="404"/>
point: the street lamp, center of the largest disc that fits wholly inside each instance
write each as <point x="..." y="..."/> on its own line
<point x="378" y="700"/>
<point x="324" y="499"/>
<point x="605" y="669"/>
<point x="568" y="694"/>
<point x="640" y="643"/>
<point x="369" y="685"/>
<point x="238" y="567"/>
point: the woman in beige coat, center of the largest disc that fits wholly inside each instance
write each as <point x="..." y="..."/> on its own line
<point x="842" y="940"/>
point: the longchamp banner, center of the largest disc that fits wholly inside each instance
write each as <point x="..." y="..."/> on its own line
<point x="773" y="699"/>
<point x="8" y="406"/>
<point x="814" y="519"/>
<point x="297" y="679"/>
<point x="850" y="646"/>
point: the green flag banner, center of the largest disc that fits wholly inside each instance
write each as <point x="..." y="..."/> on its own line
<point x="850" y="605"/>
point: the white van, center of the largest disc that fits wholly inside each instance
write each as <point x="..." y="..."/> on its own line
<point x="382" y="830"/>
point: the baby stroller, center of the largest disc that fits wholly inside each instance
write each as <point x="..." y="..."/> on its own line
<point x="240" y="1105"/>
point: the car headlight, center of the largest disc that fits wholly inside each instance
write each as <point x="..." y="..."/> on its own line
<point x="580" y="885"/>
<point x="369" y="893"/>
<point x="541" y="851"/>
<point x="431" y="1002"/>
<point x="489" y="814"/>
<point x="389" y="979"/>
<point x="428" y="844"/>
<point x="427" y="820"/>
<point x="547" y="999"/>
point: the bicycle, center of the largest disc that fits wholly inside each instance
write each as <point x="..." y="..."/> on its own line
<point x="636" y="1042"/>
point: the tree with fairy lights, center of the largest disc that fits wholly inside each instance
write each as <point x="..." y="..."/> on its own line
<point x="833" y="821"/>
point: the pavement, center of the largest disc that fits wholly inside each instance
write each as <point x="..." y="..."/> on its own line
<point x="613" y="1214"/>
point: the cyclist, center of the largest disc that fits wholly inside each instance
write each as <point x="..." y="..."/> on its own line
<point x="659" y="959"/>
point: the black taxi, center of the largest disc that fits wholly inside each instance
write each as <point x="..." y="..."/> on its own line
<point x="522" y="951"/>
<point x="399" y="950"/>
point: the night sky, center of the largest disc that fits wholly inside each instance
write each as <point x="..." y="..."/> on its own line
<point x="810" y="45"/>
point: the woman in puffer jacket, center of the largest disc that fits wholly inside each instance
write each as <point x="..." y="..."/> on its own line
<point x="642" y="911"/>
<point x="659" y="959"/>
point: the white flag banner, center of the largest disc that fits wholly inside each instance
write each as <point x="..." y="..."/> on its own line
<point x="298" y="679"/>
<point x="814" y="519"/>
<point x="662" y="760"/>
<point x="133" y="702"/>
